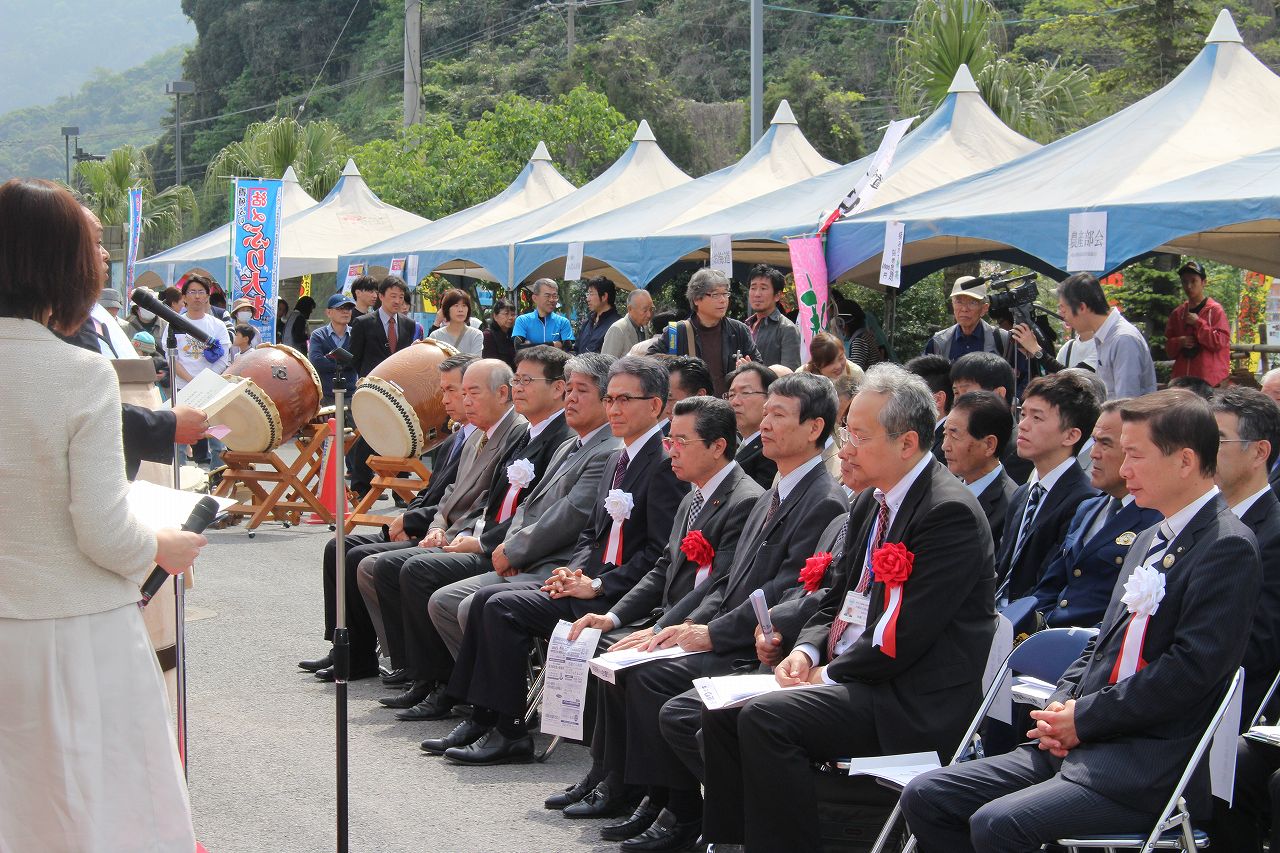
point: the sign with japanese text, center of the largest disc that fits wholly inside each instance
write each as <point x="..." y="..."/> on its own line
<point x="397" y="268"/>
<point x="722" y="254"/>
<point x="255" y="250"/>
<point x="135" y="237"/>
<point x="573" y="262"/>
<point x="891" y="259"/>
<point x="809" y="266"/>
<point x="869" y="183"/>
<point x="1087" y="242"/>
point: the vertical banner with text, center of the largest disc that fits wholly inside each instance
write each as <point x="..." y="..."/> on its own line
<point x="135" y="237"/>
<point x="809" y="266"/>
<point x="255" y="250"/>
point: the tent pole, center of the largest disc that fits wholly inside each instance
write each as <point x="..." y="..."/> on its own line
<point x="890" y="315"/>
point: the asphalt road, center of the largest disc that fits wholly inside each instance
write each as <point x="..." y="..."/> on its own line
<point x="262" y="742"/>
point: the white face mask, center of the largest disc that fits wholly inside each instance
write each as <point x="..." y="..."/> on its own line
<point x="244" y="316"/>
<point x="145" y="316"/>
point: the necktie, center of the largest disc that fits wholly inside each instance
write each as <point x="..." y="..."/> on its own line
<point x="1113" y="508"/>
<point x="838" y="625"/>
<point x="1158" y="545"/>
<point x="577" y="445"/>
<point x="837" y="547"/>
<point x="694" y="508"/>
<point x="620" y="470"/>
<point x="391" y="334"/>
<point x="774" y="503"/>
<point x="458" y="441"/>
<point x="484" y="439"/>
<point x="1033" y="504"/>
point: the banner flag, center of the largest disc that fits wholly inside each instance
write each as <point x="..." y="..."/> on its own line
<point x="135" y="237"/>
<point x="869" y="184"/>
<point x="809" y="267"/>
<point x="255" y="250"/>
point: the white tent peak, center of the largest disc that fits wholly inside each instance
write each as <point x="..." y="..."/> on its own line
<point x="541" y="152"/>
<point x="1224" y="30"/>
<point x="963" y="81"/>
<point x="290" y="176"/>
<point x="350" y="170"/>
<point x="784" y="114"/>
<point x="644" y="133"/>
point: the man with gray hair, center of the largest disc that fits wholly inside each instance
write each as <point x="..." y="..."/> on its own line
<point x="631" y="329"/>
<point x="543" y="325"/>
<point x="717" y="339"/>
<point x="898" y="645"/>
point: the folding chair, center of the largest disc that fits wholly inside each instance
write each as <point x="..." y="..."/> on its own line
<point x="1044" y="656"/>
<point x="1173" y="830"/>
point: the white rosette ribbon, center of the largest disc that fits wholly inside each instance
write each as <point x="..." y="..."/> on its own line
<point x="1143" y="592"/>
<point x="519" y="475"/>
<point x="619" y="505"/>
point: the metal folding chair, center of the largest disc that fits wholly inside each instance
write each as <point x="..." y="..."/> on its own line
<point x="1045" y="656"/>
<point x="1173" y="830"/>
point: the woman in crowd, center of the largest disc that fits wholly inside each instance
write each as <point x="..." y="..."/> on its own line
<point x="497" y="337"/>
<point x="826" y="356"/>
<point x="90" y="761"/>
<point x="455" y="308"/>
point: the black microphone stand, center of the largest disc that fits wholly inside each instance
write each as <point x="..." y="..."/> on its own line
<point x="179" y="580"/>
<point x="341" y="638"/>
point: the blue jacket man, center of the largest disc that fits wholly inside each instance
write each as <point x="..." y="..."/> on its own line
<point x="326" y="339"/>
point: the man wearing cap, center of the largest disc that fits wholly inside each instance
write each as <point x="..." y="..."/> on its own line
<point x="326" y="339"/>
<point x="110" y="300"/>
<point x="1197" y="337"/>
<point x="969" y="334"/>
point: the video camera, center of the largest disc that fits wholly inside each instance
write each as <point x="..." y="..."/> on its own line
<point x="1018" y="295"/>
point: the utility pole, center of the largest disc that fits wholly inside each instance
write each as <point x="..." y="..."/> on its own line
<point x="412" y="62"/>
<point x="757" y="69"/>
<point x="67" y="133"/>
<point x="569" y="35"/>
<point x="178" y="88"/>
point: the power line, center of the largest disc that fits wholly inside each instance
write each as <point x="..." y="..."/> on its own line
<point x="325" y="65"/>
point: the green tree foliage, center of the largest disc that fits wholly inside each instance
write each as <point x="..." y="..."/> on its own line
<point x="316" y="150"/>
<point x="827" y="115"/>
<point x="107" y="183"/>
<point x="1037" y="98"/>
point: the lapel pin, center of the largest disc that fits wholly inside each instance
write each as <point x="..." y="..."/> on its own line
<point x="1168" y="561"/>
<point x="1126" y="539"/>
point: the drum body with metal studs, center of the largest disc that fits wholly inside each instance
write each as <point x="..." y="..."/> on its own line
<point x="398" y="407"/>
<point x="282" y="395"/>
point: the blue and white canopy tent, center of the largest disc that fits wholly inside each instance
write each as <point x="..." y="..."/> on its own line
<point x="537" y="185"/>
<point x="623" y="243"/>
<point x="1223" y="107"/>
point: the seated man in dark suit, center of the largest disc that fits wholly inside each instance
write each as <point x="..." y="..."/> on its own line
<point x="1113" y="741"/>
<point x="975" y="437"/>
<point x="1077" y="583"/>
<point x="613" y="553"/>
<point x="404" y="531"/>
<point x="716" y="619"/>
<point x="748" y="388"/>
<point x="936" y="373"/>
<point x="986" y="371"/>
<point x="702" y="443"/>
<point x="898" y="646"/>
<point x="1058" y="414"/>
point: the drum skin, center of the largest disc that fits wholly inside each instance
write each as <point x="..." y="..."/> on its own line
<point x="398" y="407"/>
<point x="289" y="384"/>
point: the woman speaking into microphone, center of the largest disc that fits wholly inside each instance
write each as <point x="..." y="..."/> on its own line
<point x="88" y="760"/>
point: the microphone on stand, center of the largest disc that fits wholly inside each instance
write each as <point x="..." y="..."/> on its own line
<point x="144" y="298"/>
<point x="201" y="517"/>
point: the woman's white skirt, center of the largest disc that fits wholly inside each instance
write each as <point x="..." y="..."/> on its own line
<point x="88" y="759"/>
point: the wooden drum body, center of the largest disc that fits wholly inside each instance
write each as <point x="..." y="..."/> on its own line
<point x="398" y="407"/>
<point x="282" y="395"/>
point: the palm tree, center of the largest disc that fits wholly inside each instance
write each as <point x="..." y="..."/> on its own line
<point x="108" y="182"/>
<point x="1038" y="99"/>
<point x="316" y="150"/>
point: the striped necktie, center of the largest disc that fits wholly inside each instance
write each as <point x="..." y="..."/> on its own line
<point x="1033" y="504"/>
<point x="620" y="470"/>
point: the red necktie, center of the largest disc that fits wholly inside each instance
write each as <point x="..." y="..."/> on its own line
<point x="391" y="334"/>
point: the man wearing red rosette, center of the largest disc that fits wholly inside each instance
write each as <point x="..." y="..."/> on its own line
<point x="904" y="633"/>
<point x="1110" y="746"/>
<point x="704" y="540"/>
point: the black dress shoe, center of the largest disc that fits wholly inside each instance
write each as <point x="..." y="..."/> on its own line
<point x="357" y="674"/>
<point x="605" y="800"/>
<point x="417" y="691"/>
<point x="665" y="835"/>
<point x="493" y="748"/>
<point x="641" y="819"/>
<point x="318" y="663"/>
<point x="574" y="793"/>
<point x="395" y="676"/>
<point x="437" y="706"/>
<point x="464" y="733"/>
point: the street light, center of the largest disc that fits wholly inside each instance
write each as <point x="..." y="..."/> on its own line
<point x="67" y="133"/>
<point x="178" y="88"/>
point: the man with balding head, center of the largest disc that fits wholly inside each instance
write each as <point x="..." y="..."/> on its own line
<point x="631" y="329"/>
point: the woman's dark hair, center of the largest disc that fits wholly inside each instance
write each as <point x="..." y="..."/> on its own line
<point x="48" y="260"/>
<point x="452" y="297"/>
<point x="824" y="349"/>
<point x="171" y="296"/>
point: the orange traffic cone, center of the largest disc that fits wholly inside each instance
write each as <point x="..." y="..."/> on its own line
<point x="328" y="493"/>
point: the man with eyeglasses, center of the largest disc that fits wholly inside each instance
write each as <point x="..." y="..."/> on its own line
<point x="537" y="391"/>
<point x="748" y="389"/>
<point x="701" y="446"/>
<point x="543" y="325"/>
<point x="721" y="341"/>
<point x="613" y="552"/>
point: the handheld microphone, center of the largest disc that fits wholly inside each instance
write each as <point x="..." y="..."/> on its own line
<point x="144" y="298"/>
<point x="201" y="517"/>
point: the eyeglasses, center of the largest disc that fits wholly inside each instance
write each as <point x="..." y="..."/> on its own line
<point x="622" y="399"/>
<point x="718" y="294"/>
<point x="733" y="395"/>
<point x="522" y="381"/>
<point x="856" y="440"/>
<point x="669" y="442"/>
<point x="1236" y="440"/>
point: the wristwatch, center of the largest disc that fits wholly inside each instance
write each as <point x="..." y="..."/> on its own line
<point x="596" y="585"/>
<point x="1039" y="354"/>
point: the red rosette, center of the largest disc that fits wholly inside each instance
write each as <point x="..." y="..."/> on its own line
<point x="891" y="563"/>
<point x="697" y="549"/>
<point x="815" y="569"/>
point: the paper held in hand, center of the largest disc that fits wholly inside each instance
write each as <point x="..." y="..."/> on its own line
<point x="564" y="684"/>
<point x="897" y="770"/>
<point x="733" y="691"/>
<point x="606" y="666"/>
<point x="159" y="506"/>
<point x="209" y="392"/>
